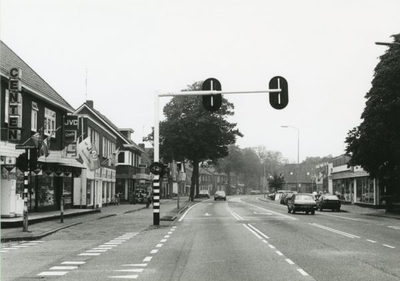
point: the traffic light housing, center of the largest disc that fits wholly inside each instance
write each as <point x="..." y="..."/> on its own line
<point x="212" y="102"/>
<point x="278" y="100"/>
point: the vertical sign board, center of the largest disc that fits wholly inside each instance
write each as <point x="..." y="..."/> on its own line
<point x="71" y="125"/>
<point x="15" y="105"/>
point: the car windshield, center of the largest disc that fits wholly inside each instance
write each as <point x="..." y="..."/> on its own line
<point x="304" y="197"/>
<point x="331" y="197"/>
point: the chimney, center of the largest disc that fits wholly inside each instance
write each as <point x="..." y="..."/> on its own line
<point x="141" y="145"/>
<point x="90" y="103"/>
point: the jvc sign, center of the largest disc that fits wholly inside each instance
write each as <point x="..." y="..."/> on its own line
<point x="71" y="122"/>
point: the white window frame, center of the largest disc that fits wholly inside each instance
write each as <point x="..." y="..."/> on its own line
<point x="50" y="122"/>
<point x="34" y="117"/>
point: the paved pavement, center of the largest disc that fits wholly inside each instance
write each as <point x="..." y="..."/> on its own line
<point x="46" y="223"/>
<point x="43" y="224"/>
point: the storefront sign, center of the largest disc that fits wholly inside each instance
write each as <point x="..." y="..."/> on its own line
<point x="71" y="123"/>
<point x="15" y="105"/>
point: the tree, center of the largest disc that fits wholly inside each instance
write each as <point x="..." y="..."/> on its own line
<point x="375" y="143"/>
<point x="276" y="182"/>
<point x="233" y="162"/>
<point x="189" y="132"/>
<point x="251" y="169"/>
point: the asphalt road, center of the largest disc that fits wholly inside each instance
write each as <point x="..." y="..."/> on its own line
<point x="242" y="238"/>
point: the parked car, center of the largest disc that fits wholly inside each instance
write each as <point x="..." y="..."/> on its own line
<point x="204" y="193"/>
<point x="328" y="202"/>
<point x="220" y="195"/>
<point x="255" y="191"/>
<point x="302" y="202"/>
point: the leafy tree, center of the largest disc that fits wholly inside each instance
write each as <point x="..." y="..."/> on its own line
<point x="233" y="162"/>
<point x="189" y="132"/>
<point x="375" y="143"/>
<point x="317" y="160"/>
<point x="276" y="182"/>
<point x="251" y="170"/>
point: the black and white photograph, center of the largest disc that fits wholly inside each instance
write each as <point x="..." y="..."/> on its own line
<point x="185" y="140"/>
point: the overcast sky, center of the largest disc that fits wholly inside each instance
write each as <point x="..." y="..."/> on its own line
<point x="134" y="48"/>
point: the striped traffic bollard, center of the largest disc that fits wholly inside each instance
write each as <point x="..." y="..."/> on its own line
<point x="156" y="200"/>
<point x="25" y="212"/>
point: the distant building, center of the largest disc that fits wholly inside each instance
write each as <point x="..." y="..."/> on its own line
<point x="299" y="177"/>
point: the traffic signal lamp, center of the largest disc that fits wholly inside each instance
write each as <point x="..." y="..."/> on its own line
<point x="278" y="100"/>
<point x="212" y="102"/>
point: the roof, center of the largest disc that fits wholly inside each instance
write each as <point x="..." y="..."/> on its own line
<point x="30" y="79"/>
<point x="107" y="121"/>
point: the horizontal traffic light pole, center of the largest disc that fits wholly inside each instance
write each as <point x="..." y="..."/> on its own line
<point x="211" y="87"/>
<point x="204" y="93"/>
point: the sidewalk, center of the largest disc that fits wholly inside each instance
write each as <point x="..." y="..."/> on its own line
<point x="46" y="223"/>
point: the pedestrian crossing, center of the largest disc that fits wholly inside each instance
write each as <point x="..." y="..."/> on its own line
<point x="69" y="265"/>
<point x="19" y="245"/>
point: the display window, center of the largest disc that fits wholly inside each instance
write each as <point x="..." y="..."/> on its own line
<point x="365" y="190"/>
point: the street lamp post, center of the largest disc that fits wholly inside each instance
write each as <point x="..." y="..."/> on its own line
<point x="298" y="150"/>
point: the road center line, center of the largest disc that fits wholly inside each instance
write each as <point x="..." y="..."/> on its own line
<point x="391" y="247"/>
<point x="252" y="231"/>
<point x="258" y="231"/>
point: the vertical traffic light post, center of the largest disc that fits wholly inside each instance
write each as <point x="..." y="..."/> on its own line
<point x="212" y="101"/>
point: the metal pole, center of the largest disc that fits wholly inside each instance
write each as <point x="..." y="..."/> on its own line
<point x="26" y="183"/>
<point x="62" y="208"/>
<point x="156" y="179"/>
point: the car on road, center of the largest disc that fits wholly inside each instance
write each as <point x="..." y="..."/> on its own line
<point x="302" y="202"/>
<point x="328" y="202"/>
<point x="220" y="195"/>
<point x="204" y="193"/>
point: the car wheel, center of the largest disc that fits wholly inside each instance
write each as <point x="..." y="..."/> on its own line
<point x="225" y="199"/>
<point x="307" y="212"/>
<point x="293" y="211"/>
<point x="312" y="212"/>
<point x="320" y="208"/>
<point x="288" y="210"/>
<point x="338" y="210"/>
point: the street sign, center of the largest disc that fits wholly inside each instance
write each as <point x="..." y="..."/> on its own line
<point x="279" y="100"/>
<point x="212" y="102"/>
<point x="24" y="146"/>
<point x="156" y="168"/>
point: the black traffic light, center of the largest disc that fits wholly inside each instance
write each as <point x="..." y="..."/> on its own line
<point x="22" y="162"/>
<point x="279" y="100"/>
<point x="212" y="102"/>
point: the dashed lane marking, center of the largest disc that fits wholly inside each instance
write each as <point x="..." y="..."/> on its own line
<point x="388" y="246"/>
<point x="124" y="277"/>
<point x="53" y="273"/>
<point x="142" y="265"/>
<point x="289" y="261"/>
<point x="372" y="241"/>
<point x="62" y="269"/>
<point x="146" y="259"/>
<point x="302" y="272"/>
<point x="73" y="262"/>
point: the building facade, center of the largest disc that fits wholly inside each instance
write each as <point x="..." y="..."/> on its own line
<point x="33" y="115"/>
